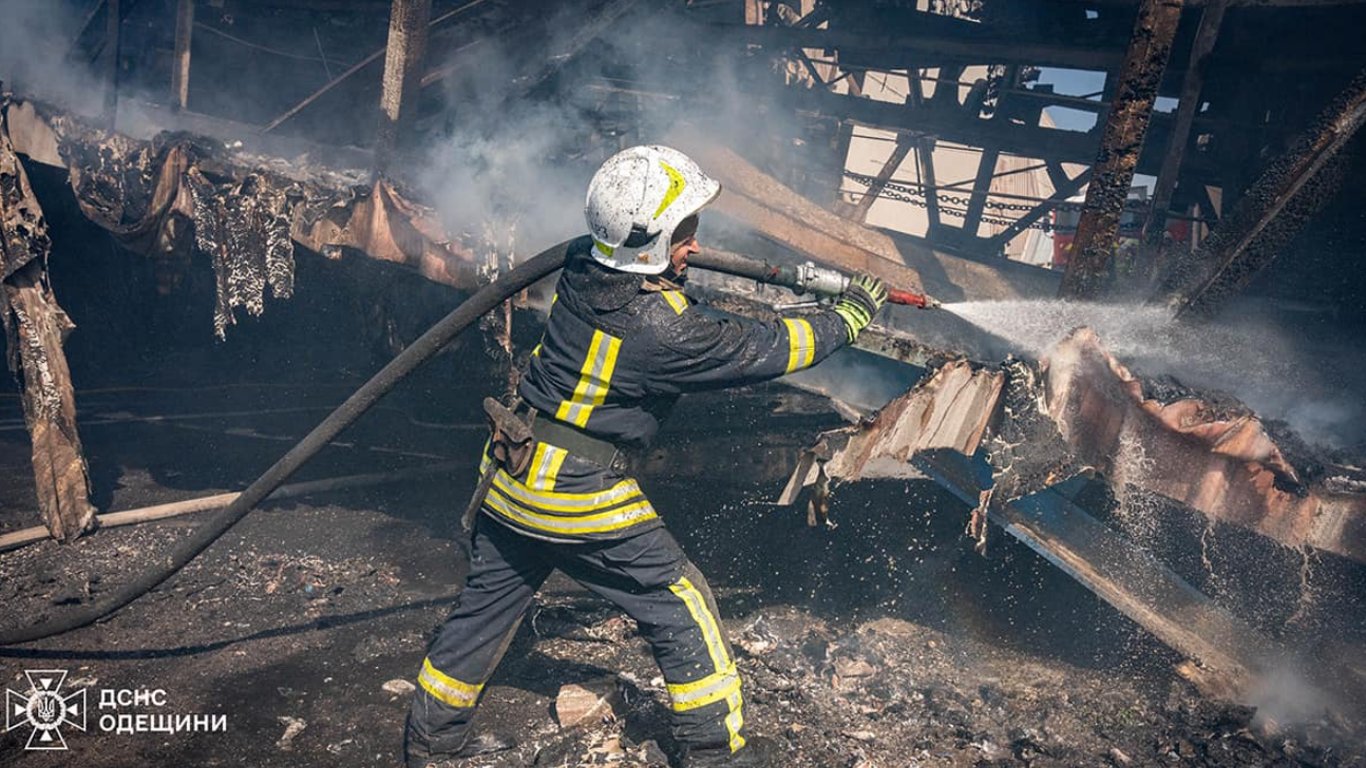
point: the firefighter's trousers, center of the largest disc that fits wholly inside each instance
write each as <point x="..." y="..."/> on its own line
<point x="646" y="575"/>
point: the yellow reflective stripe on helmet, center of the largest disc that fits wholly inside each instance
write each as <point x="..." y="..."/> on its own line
<point x="603" y="250"/>
<point x="708" y="690"/>
<point x="594" y="377"/>
<point x="720" y="658"/>
<point x="676" y="186"/>
<point x="676" y="299"/>
<point x="801" y="344"/>
<point x="561" y="501"/>
<point x="603" y="522"/>
<point x="456" y="693"/>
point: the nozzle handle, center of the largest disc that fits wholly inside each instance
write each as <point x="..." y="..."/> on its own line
<point x="909" y="299"/>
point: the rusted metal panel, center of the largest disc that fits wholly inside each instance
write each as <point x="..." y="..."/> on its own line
<point x="1121" y="143"/>
<point x="949" y="409"/>
<point x="385" y="225"/>
<point x="1222" y="463"/>
<point x="1217" y="460"/>
<point x="1269" y="214"/>
<point x="952" y="411"/>
<point x="35" y="330"/>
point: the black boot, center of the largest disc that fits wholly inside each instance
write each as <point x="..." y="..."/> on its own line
<point x="417" y="756"/>
<point x="758" y="752"/>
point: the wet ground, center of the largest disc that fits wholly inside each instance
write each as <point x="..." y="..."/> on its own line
<point x="885" y="642"/>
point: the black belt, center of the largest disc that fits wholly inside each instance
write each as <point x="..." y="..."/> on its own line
<point x="557" y="433"/>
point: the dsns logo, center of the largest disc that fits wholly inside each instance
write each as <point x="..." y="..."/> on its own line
<point x="45" y="709"/>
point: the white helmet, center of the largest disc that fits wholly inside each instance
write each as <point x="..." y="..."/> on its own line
<point x="636" y="200"/>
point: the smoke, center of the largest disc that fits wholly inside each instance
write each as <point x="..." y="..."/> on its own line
<point x="1306" y="376"/>
<point x="34" y="40"/>
<point x="516" y="164"/>
<point x="38" y="59"/>
<point x="1285" y="699"/>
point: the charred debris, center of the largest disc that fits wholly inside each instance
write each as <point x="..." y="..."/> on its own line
<point x="839" y="131"/>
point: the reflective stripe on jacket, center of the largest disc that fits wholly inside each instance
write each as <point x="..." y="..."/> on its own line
<point x="615" y="356"/>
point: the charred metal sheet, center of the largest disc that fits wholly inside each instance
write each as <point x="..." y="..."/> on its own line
<point x="1093" y="249"/>
<point x="35" y="330"/>
<point x="1272" y="211"/>
<point x="953" y="410"/>
<point x="1219" y="460"/>
<point x="384" y="224"/>
<point x="950" y="409"/>
<point x="157" y="197"/>
<point x="1086" y="412"/>
<point x="1026" y="449"/>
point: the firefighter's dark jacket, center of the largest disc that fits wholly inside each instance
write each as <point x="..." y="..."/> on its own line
<point x="617" y="352"/>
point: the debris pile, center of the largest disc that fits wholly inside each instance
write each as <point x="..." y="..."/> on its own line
<point x="886" y="692"/>
<point x="1082" y="409"/>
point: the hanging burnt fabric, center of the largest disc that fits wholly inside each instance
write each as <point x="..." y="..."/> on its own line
<point x="244" y="229"/>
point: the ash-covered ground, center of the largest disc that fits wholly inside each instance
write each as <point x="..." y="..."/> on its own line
<point x="884" y="642"/>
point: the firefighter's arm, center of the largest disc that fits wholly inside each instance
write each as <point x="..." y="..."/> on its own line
<point x="705" y="349"/>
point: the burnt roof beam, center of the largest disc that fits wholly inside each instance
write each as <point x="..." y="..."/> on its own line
<point x="1211" y="18"/>
<point x="972" y="44"/>
<point x="1272" y="211"/>
<point x="1121" y="142"/>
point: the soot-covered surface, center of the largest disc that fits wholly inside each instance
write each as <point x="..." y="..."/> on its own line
<point x="884" y="642"/>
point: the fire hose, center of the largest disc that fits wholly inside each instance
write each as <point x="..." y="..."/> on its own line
<point x="800" y="278"/>
<point x="803" y="278"/>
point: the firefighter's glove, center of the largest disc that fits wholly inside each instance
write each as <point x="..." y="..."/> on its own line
<point x="861" y="300"/>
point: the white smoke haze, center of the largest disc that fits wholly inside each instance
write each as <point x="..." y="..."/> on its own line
<point x="34" y="39"/>
<point x="1293" y="374"/>
<point x="523" y="164"/>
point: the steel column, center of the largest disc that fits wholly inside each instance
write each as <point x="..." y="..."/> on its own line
<point x="1088" y="268"/>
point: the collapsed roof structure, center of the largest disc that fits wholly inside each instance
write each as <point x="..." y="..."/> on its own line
<point x="203" y="148"/>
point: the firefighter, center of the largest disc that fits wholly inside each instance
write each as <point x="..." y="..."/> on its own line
<point x="622" y="342"/>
